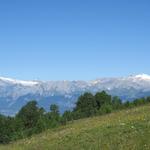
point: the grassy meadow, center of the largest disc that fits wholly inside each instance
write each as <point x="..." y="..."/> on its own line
<point x="123" y="130"/>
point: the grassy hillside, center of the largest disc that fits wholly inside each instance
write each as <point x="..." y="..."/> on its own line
<point x="124" y="130"/>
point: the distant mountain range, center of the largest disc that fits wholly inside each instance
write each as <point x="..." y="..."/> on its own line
<point x="16" y="93"/>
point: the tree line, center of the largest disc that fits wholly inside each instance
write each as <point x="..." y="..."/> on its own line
<point x="32" y="119"/>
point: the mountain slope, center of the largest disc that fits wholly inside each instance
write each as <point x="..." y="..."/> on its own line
<point x="124" y="130"/>
<point x="15" y="93"/>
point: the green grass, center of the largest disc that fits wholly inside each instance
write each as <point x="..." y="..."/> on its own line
<point x="123" y="130"/>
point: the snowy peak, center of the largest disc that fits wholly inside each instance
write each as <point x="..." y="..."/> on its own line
<point x="143" y="77"/>
<point x="79" y="84"/>
<point x="21" y="82"/>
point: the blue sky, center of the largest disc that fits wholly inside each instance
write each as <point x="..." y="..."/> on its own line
<point x="74" y="40"/>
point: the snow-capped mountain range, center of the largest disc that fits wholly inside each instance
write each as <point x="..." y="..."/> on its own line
<point x="16" y="93"/>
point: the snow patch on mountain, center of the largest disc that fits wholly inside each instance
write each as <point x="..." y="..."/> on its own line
<point x="14" y="81"/>
<point x="143" y="77"/>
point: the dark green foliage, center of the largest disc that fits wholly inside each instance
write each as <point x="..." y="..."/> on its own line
<point x="102" y="98"/>
<point x="139" y="101"/>
<point x="54" y="109"/>
<point x="67" y="116"/>
<point x="116" y="103"/>
<point x="105" y="109"/>
<point x="54" y="116"/>
<point x="89" y="105"/>
<point x="76" y="115"/>
<point x="30" y="114"/>
<point x="4" y="130"/>
<point x="127" y="104"/>
<point x="42" y="124"/>
<point x="86" y="105"/>
<point x="148" y="99"/>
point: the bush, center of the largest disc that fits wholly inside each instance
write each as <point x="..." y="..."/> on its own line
<point x="105" y="109"/>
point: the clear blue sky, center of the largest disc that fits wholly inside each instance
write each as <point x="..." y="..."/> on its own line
<point x="74" y="39"/>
